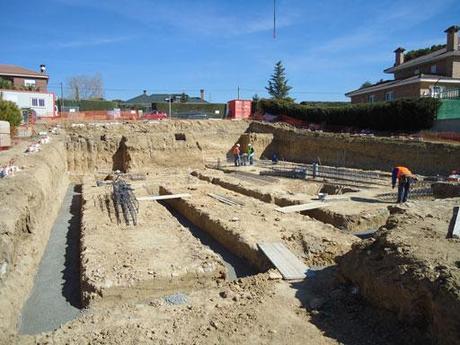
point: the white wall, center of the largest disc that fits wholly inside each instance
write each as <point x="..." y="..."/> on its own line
<point x="24" y="99"/>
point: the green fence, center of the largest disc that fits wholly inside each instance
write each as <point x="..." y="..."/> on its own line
<point x="449" y="109"/>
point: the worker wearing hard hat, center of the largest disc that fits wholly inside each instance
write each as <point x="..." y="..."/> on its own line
<point x="236" y="154"/>
<point x="405" y="178"/>
<point x="251" y="154"/>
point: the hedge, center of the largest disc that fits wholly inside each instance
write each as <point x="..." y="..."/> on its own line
<point x="208" y="108"/>
<point x="403" y="114"/>
<point x="87" y="105"/>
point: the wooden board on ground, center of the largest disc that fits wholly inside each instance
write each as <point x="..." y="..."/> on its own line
<point x="302" y="207"/>
<point x="334" y="198"/>
<point x="163" y="197"/>
<point x="456" y="222"/>
<point x="284" y="260"/>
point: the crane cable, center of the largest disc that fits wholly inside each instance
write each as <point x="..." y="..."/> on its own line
<point x="274" y="19"/>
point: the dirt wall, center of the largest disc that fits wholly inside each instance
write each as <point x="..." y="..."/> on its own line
<point x="30" y="202"/>
<point x="412" y="269"/>
<point x="132" y="146"/>
<point x="373" y="153"/>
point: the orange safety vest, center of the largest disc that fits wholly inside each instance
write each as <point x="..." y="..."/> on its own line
<point x="236" y="150"/>
<point x="403" y="171"/>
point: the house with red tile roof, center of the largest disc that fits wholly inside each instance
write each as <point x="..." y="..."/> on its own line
<point x="25" y="79"/>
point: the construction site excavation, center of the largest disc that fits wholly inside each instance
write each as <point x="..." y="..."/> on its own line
<point x="149" y="233"/>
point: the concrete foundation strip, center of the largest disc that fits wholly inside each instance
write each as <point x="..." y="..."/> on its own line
<point x="225" y="200"/>
<point x="302" y="207"/>
<point x="284" y="260"/>
<point x="163" y="197"/>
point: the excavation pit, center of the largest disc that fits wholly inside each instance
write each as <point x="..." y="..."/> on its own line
<point x="350" y="209"/>
<point x="204" y="248"/>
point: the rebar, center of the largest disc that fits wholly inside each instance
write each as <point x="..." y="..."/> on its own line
<point x="125" y="200"/>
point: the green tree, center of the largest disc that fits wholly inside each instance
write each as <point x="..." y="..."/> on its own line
<point x="183" y="98"/>
<point x="255" y="102"/>
<point x="277" y="87"/>
<point x="10" y="112"/>
<point x="5" y="84"/>
<point x="366" y="84"/>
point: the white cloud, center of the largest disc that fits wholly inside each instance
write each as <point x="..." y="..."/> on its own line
<point x="91" y="42"/>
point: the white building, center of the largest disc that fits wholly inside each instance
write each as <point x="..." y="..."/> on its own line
<point x="43" y="103"/>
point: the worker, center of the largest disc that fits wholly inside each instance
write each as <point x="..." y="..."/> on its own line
<point x="251" y="154"/>
<point x="236" y="154"/>
<point x="405" y="178"/>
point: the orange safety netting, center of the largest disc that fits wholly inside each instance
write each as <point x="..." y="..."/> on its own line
<point x="93" y="115"/>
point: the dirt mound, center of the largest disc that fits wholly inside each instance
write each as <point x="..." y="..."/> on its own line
<point x="30" y="202"/>
<point x="411" y="269"/>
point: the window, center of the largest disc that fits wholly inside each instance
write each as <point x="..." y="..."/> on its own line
<point x="41" y="102"/>
<point x="433" y="69"/>
<point x="371" y="98"/>
<point x="389" y="96"/>
<point x="29" y="82"/>
<point x="34" y="102"/>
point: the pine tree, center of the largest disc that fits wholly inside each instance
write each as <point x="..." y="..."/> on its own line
<point x="277" y="85"/>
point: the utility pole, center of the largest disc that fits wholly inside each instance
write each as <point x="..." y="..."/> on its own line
<point x="62" y="99"/>
<point x="170" y="107"/>
<point x="238" y="92"/>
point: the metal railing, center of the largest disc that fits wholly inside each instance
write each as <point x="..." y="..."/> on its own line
<point x="448" y="94"/>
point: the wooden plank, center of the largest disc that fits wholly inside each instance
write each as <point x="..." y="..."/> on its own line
<point x="302" y="207"/>
<point x="456" y="227"/>
<point x="284" y="260"/>
<point x="163" y="197"/>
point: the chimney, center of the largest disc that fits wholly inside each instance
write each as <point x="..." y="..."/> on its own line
<point x="452" y="38"/>
<point x="202" y="94"/>
<point x="42" y="68"/>
<point x="399" y="56"/>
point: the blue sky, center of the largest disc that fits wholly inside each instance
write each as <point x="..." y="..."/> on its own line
<point x="328" y="47"/>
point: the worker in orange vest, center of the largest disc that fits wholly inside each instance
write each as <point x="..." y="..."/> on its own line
<point x="405" y="178"/>
<point x="236" y="154"/>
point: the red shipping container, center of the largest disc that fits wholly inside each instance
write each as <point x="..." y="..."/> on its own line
<point x="239" y="109"/>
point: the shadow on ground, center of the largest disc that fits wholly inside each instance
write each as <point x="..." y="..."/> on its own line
<point x="341" y="313"/>
<point x="236" y="266"/>
<point x="71" y="289"/>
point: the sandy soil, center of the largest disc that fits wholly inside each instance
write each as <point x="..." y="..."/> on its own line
<point x="157" y="255"/>
<point x="238" y="312"/>
<point x="29" y="204"/>
<point x="359" y="211"/>
<point x="242" y="227"/>
<point x="412" y="269"/>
